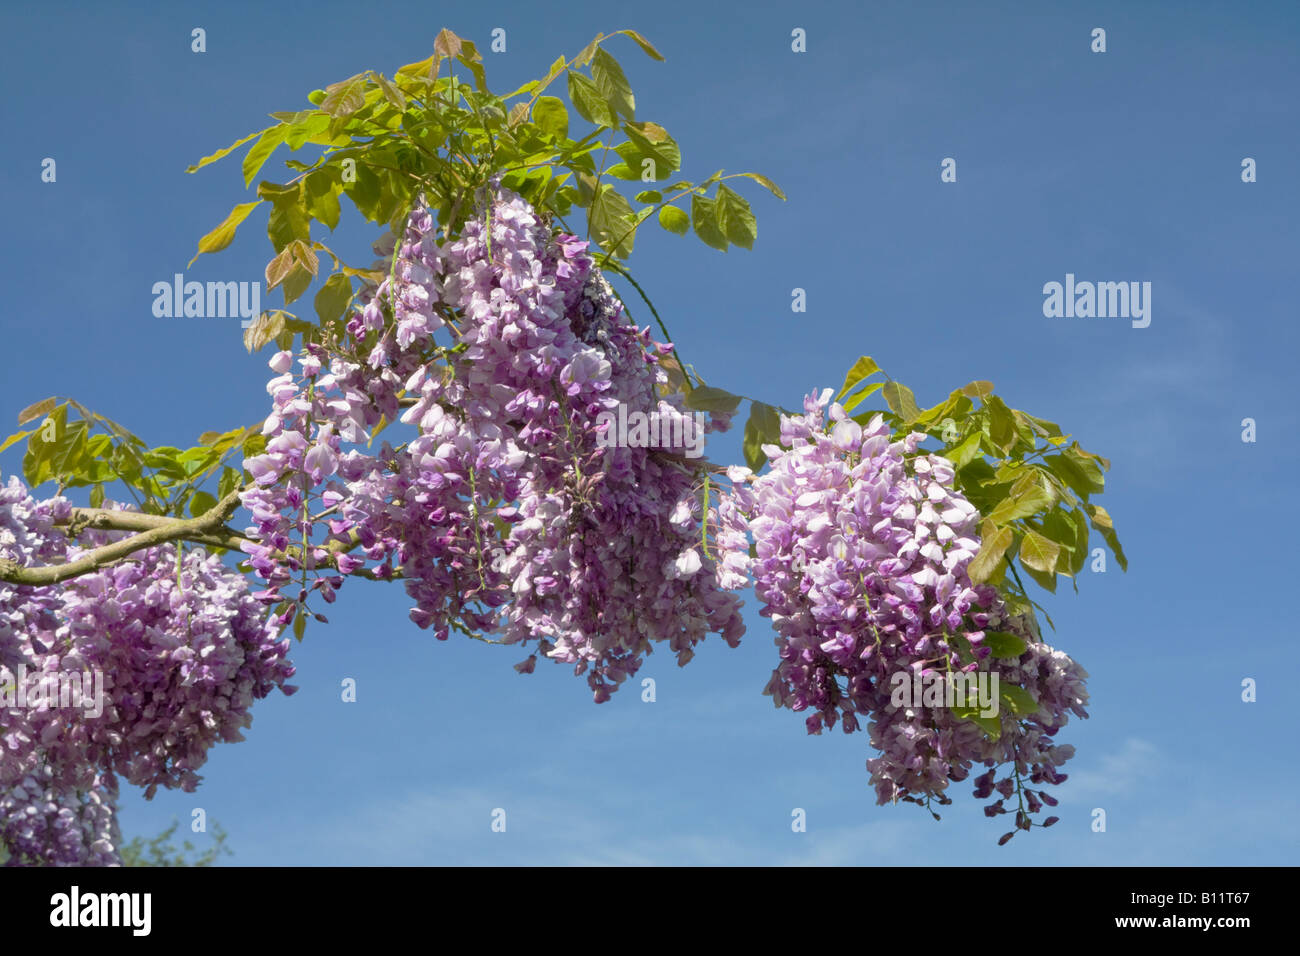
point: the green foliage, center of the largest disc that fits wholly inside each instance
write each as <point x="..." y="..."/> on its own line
<point x="161" y="851"/>
<point x="433" y="132"/>
<point x="91" y="451"/>
<point x="1030" y="481"/>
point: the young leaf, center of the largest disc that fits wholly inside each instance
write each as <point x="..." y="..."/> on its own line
<point x="901" y="401"/>
<point x="987" y="565"/>
<point x="863" y="368"/>
<point x="771" y="187"/>
<point x="256" y="157"/>
<point x="1038" y="553"/>
<point x="38" y="410"/>
<point x="706" y="398"/>
<point x="735" y="218"/>
<point x="333" y="297"/>
<point x="607" y="222"/>
<point x="201" y="502"/>
<point x="644" y="44"/>
<point x="224" y="234"/>
<point x="1018" y="700"/>
<point x="990" y="725"/>
<point x="586" y="99"/>
<point x="674" y="220"/>
<point x="762" y="428"/>
<point x="1027" y="499"/>
<point x="612" y="84"/>
<point x="206" y="160"/>
<point x="704" y="217"/>
<point x="1002" y="644"/>
<point x="551" y="117"/>
<point x="965" y="452"/>
<point x="346" y="97"/>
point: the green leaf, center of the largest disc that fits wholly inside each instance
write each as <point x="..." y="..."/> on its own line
<point x="981" y="390"/>
<point x="392" y="92"/>
<point x="863" y="368"/>
<point x="704" y="217"/>
<point x="295" y="285"/>
<point x="1039" y="553"/>
<point x="207" y="160"/>
<point x="990" y="725"/>
<point x="1024" y="499"/>
<point x="586" y="99"/>
<point x="735" y="218"/>
<point x="230" y="480"/>
<point x="299" y="625"/>
<point x="767" y="183"/>
<point x="313" y="126"/>
<point x="585" y="54"/>
<point x="69" y="451"/>
<point x="97" y="496"/>
<point x="1080" y="522"/>
<point x="762" y="428"/>
<point x="706" y="398"/>
<point x="857" y="398"/>
<point x="263" y="329"/>
<point x="965" y="452"/>
<point x="607" y="223"/>
<point x="551" y="117"/>
<point x="1045" y="581"/>
<point x="323" y="188"/>
<point x="256" y="157"/>
<point x="651" y="141"/>
<point x="14" y="439"/>
<point x="1003" y="644"/>
<point x="1057" y="526"/>
<point x="201" y="502"/>
<point x="612" y="84"/>
<point x="1019" y="700"/>
<point x="987" y="565"/>
<point x="288" y="219"/>
<point x="650" y="196"/>
<point x="674" y="220"/>
<point x="366" y="191"/>
<point x="333" y="297"/>
<point x="1081" y="473"/>
<point x="644" y="44"/>
<point x="1103" y="525"/>
<point x="224" y="234"/>
<point x="345" y="97"/>
<point x="901" y="401"/>
<point x="37" y="467"/>
<point x="1001" y="423"/>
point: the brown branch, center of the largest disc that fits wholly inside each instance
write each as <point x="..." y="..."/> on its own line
<point x="154" y="530"/>
<point x="207" y="529"/>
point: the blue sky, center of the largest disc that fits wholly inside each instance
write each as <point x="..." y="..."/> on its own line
<point x="1122" y="166"/>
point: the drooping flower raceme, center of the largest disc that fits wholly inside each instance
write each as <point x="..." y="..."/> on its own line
<point x="166" y="659"/>
<point x="506" y="514"/>
<point x="861" y="555"/>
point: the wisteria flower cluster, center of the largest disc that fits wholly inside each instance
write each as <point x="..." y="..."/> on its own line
<point x="505" y="514"/>
<point x="861" y="549"/>
<point x="179" y="650"/>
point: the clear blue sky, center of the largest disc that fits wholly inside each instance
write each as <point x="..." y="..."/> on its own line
<point x="1116" y="166"/>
